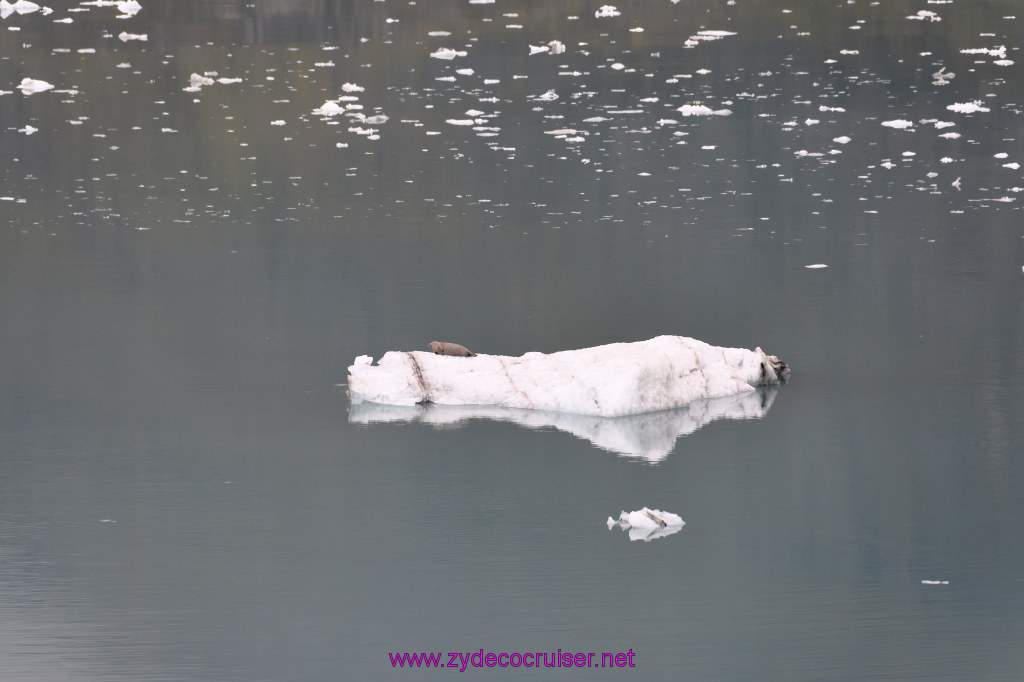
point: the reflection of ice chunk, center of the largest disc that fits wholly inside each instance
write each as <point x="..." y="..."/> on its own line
<point x="968" y="107"/>
<point x="647" y="524"/>
<point x="651" y="436"/>
<point x="609" y="381"/>
<point x="29" y="86"/>
<point x="447" y="53"/>
<point x="701" y="110"/>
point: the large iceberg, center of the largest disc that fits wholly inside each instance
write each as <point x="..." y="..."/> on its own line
<point x="613" y="380"/>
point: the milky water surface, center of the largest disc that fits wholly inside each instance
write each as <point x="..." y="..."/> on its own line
<point x="211" y="208"/>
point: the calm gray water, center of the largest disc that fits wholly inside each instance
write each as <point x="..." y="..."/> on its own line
<point x="185" y="275"/>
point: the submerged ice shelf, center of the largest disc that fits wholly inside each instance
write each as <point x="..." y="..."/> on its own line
<point x="613" y="380"/>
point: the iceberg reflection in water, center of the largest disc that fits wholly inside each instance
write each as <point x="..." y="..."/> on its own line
<point x="650" y="436"/>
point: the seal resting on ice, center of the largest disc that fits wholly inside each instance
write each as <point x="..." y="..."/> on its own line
<point x="613" y="380"/>
<point x="443" y="348"/>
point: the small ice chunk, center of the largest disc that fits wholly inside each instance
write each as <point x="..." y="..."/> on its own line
<point x="607" y="11"/>
<point x="548" y="96"/>
<point x="352" y="87"/>
<point x="125" y="36"/>
<point x="647" y="524"/>
<point x="279" y="122"/>
<point x="30" y="86"/>
<point x="925" y="15"/>
<point x="701" y="110"/>
<point x="128" y="8"/>
<point x="968" y="107"/>
<point x="934" y="582"/>
<point x="816" y="266"/>
<point x="899" y="124"/>
<point x="842" y="139"/>
<point x="447" y="53"/>
<point x="329" y="108"/>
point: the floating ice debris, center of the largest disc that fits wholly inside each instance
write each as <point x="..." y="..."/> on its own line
<point x="21" y="7"/>
<point x="1003" y="62"/>
<point x="925" y="15"/>
<point x="968" y="107"/>
<point x="899" y="124"/>
<point x="548" y="96"/>
<point x="197" y="81"/>
<point x="613" y="380"/>
<point x="842" y="139"/>
<point x="125" y="36"/>
<point x="128" y="9"/>
<point x="30" y="86"/>
<point x="816" y="266"/>
<point x="460" y="121"/>
<point x="647" y="524"/>
<point x="942" y="77"/>
<point x="329" y="108"/>
<point x="607" y="11"/>
<point x="701" y="110"/>
<point x="447" y="53"/>
<point x="934" y="582"/>
<point x="28" y="130"/>
<point x="278" y="122"/>
<point x="352" y="87"/>
<point x="991" y="52"/>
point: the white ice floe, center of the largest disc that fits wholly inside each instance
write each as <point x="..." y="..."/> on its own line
<point x="30" y="86"/>
<point x="329" y="108"/>
<point x="650" y="437"/>
<point x="613" y="380"/>
<point x="197" y="81"/>
<point x="607" y="11"/>
<point x="701" y="110"/>
<point x="21" y="7"/>
<point x="899" y="124"/>
<point x="124" y="36"/>
<point x="447" y="53"/>
<point x="968" y="107"/>
<point x="647" y="524"/>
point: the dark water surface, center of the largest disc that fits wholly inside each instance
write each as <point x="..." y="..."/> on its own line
<point x="186" y="494"/>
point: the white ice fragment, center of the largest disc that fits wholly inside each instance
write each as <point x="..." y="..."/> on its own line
<point x="228" y="81"/>
<point x="945" y="159"/>
<point x="701" y="110"/>
<point x="968" y="107"/>
<point x="1013" y="165"/>
<point x="925" y="15"/>
<point x="950" y="136"/>
<point x="197" y="81"/>
<point x="460" y="121"/>
<point x="30" y="86"/>
<point x="607" y="11"/>
<point x="535" y="49"/>
<point x="128" y="8"/>
<point x="65" y="20"/>
<point x="556" y="47"/>
<point x="842" y="139"/>
<point x="352" y="87"/>
<point x="899" y="124"/>
<point x="21" y="7"/>
<point x="548" y="96"/>
<point x="329" y="108"/>
<point x="825" y="108"/>
<point x="278" y="122"/>
<point x="28" y="130"/>
<point x="647" y="524"/>
<point x="1003" y="62"/>
<point x="447" y="53"/>
<point x="464" y="72"/>
<point x="934" y="582"/>
<point x="613" y="380"/>
<point x="125" y="36"/>
<point x="816" y="266"/>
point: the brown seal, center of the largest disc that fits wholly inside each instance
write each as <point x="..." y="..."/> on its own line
<point x="442" y="348"/>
